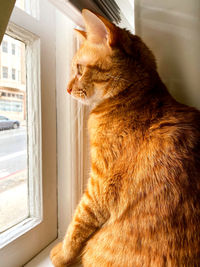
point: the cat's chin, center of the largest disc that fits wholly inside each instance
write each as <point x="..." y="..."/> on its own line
<point x="82" y="101"/>
<point x="87" y="101"/>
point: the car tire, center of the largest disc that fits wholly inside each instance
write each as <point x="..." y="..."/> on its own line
<point x="15" y="125"/>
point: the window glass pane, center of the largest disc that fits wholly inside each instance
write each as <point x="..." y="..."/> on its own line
<point x="13" y="74"/>
<point x="13" y="49"/>
<point x="29" y="6"/>
<point x="5" y="72"/>
<point x="4" y="46"/>
<point x="13" y="136"/>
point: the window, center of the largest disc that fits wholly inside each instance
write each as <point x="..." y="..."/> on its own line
<point x="2" y="118"/>
<point x="14" y="158"/>
<point x="70" y="140"/>
<point x="5" y="46"/>
<point x="13" y="106"/>
<point x="13" y="49"/>
<point x="5" y="72"/>
<point x="19" y="96"/>
<point x="19" y="75"/>
<point x="29" y="6"/>
<point x="14" y="74"/>
<point x="31" y="149"/>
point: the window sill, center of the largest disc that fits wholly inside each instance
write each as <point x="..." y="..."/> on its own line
<point x="43" y="260"/>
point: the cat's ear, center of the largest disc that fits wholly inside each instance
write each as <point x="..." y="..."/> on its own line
<point x="99" y="30"/>
<point x="81" y="34"/>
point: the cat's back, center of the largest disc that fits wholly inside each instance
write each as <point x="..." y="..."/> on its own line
<point x="157" y="218"/>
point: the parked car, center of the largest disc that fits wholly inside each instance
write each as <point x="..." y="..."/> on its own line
<point x="6" y="123"/>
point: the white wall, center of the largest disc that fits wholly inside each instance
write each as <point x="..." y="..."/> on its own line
<point x="126" y="14"/>
<point x="172" y="30"/>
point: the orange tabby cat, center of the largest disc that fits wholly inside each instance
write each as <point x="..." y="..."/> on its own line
<point x="142" y="203"/>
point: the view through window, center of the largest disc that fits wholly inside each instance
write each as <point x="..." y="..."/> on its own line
<point x="13" y="134"/>
<point x="29" y="6"/>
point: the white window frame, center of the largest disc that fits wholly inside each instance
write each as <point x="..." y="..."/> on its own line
<point x="72" y="136"/>
<point x="34" y="131"/>
<point x="72" y="139"/>
<point x="25" y="240"/>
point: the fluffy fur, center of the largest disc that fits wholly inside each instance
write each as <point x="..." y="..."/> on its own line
<point x="142" y="203"/>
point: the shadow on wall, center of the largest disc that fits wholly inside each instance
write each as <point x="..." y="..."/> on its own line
<point x="171" y="29"/>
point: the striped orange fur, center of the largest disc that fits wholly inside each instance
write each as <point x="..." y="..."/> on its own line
<point x="141" y="207"/>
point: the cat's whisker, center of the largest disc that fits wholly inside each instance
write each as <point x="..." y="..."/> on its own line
<point x="78" y="117"/>
<point x="77" y="114"/>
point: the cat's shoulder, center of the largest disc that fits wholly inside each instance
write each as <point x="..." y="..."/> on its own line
<point x="178" y="123"/>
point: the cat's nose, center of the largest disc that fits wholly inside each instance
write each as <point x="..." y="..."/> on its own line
<point x="69" y="90"/>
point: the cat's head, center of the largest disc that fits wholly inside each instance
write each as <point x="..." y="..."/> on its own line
<point x="108" y="60"/>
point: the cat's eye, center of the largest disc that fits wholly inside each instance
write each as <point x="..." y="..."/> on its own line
<point x="79" y="69"/>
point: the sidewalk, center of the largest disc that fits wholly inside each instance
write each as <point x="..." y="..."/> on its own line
<point x="12" y="131"/>
<point x="13" y="199"/>
<point x="12" y="180"/>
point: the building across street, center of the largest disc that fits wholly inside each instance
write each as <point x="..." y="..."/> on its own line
<point x="12" y="79"/>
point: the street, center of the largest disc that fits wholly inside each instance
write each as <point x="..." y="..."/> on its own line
<point x="13" y="151"/>
<point x="13" y="177"/>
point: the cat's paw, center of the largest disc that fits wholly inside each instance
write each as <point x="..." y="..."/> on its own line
<point x="58" y="258"/>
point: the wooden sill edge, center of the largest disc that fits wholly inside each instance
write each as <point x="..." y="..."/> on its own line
<point x="42" y="259"/>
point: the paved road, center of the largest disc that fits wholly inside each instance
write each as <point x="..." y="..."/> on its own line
<point x="13" y="183"/>
<point x="13" y="151"/>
